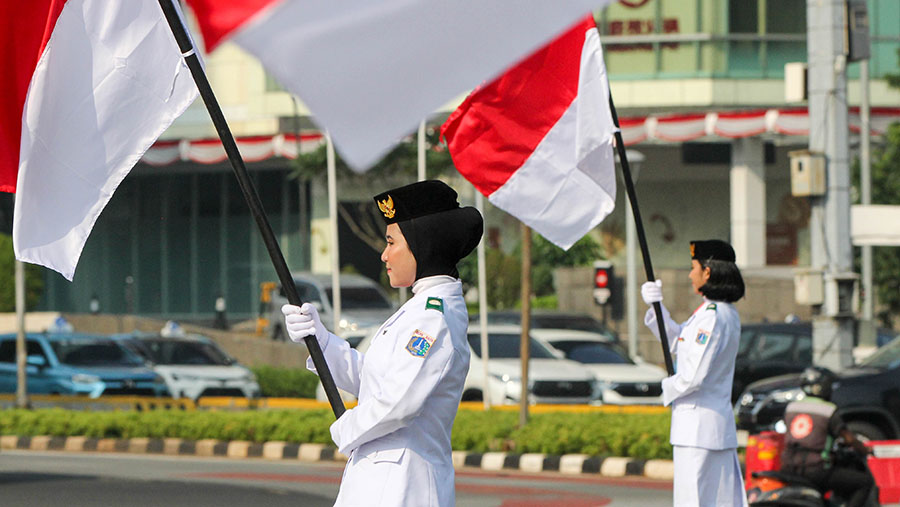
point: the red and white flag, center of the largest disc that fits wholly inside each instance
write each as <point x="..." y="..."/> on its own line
<point x="538" y="140"/>
<point x="371" y="70"/>
<point x="88" y="87"/>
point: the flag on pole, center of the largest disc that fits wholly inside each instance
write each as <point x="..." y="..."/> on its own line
<point x="89" y="86"/>
<point x="538" y="140"/>
<point x="370" y="70"/>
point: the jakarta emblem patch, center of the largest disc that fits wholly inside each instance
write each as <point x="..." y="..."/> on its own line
<point x="702" y="337"/>
<point x="419" y="344"/>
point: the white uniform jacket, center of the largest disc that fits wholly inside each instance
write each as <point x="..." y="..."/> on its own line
<point x="705" y="347"/>
<point x="409" y="384"/>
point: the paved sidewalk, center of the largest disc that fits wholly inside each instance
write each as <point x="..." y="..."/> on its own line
<point x="574" y="464"/>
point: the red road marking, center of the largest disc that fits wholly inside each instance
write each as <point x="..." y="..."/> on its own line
<point x="631" y="481"/>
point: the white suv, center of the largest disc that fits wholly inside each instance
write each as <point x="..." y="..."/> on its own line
<point x="364" y="303"/>
<point x="551" y="378"/>
<point x="620" y="379"/>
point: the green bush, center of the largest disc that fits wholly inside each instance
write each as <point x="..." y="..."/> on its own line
<point x="635" y="435"/>
<point x="286" y="382"/>
<point x="640" y="436"/>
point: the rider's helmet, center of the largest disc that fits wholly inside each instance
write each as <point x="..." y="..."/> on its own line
<point x="817" y="381"/>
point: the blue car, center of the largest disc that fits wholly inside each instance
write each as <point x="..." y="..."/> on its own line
<point x="74" y="363"/>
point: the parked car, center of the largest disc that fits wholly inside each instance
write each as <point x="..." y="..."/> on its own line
<point x="769" y="349"/>
<point x="549" y="319"/>
<point x="194" y="366"/>
<point x="552" y="379"/>
<point x="867" y="396"/>
<point x="620" y="379"/>
<point x="364" y="303"/>
<point x="75" y="363"/>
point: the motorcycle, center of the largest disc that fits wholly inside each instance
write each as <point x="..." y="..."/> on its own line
<point x="776" y="489"/>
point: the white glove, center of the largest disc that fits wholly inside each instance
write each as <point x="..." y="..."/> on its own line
<point x="303" y="321"/>
<point x="652" y="292"/>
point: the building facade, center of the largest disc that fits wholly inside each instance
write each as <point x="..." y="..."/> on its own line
<point x="699" y="89"/>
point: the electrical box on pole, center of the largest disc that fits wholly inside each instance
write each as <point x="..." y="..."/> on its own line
<point x="807" y="173"/>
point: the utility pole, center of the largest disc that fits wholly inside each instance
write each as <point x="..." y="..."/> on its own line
<point x="21" y="344"/>
<point x="832" y="253"/>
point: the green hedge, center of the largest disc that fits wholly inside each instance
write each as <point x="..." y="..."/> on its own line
<point x="634" y="435"/>
<point x="286" y="382"/>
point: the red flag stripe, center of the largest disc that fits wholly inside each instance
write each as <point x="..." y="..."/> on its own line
<point x="28" y="28"/>
<point x="219" y="18"/>
<point x="550" y="73"/>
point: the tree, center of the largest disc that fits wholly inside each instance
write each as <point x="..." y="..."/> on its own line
<point x="34" y="281"/>
<point x="504" y="279"/>
<point x="400" y="164"/>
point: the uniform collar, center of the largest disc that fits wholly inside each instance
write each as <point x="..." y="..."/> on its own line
<point x="431" y="281"/>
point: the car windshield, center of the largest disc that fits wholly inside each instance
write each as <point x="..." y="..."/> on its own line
<point x="591" y="352"/>
<point x="169" y="351"/>
<point x="361" y="298"/>
<point x="94" y="353"/>
<point x="549" y="321"/>
<point x="573" y="322"/>
<point x="887" y="357"/>
<point x="506" y="346"/>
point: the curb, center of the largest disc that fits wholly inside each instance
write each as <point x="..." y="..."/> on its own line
<point x="568" y="464"/>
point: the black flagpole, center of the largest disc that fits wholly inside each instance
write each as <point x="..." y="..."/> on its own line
<point x="642" y="238"/>
<point x="240" y="171"/>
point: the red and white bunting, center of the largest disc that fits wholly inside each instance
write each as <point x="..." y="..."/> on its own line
<point x="635" y="130"/>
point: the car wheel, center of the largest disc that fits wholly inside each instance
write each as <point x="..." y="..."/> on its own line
<point x="866" y="431"/>
<point x="472" y="395"/>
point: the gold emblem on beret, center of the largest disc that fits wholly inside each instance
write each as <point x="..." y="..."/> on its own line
<point x="692" y="249"/>
<point x="387" y="207"/>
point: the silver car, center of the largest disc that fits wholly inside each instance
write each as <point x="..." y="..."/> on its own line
<point x="193" y="366"/>
<point x="364" y="303"/>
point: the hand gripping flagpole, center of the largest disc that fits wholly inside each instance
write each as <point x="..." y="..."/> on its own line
<point x="240" y="171"/>
<point x="642" y="238"/>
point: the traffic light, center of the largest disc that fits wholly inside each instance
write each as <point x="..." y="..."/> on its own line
<point x="603" y="281"/>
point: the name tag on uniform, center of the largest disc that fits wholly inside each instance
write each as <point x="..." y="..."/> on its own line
<point x="419" y="344"/>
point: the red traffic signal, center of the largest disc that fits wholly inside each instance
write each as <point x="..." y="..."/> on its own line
<point x="601" y="278"/>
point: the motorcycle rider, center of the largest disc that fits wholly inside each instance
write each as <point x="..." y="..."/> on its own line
<point x="812" y="427"/>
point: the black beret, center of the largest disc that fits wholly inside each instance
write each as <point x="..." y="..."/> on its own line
<point x="712" y="249"/>
<point x="416" y="200"/>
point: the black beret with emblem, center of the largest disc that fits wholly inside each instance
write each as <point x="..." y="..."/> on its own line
<point x="416" y="200"/>
<point x="712" y="249"/>
<point x="439" y="232"/>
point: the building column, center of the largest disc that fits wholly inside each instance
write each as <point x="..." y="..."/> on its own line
<point x="748" y="201"/>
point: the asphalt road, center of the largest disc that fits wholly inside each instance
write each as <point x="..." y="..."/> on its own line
<point x="29" y="478"/>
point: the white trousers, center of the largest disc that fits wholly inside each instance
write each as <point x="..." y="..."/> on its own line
<point x="706" y="478"/>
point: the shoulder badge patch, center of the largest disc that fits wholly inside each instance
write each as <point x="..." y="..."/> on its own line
<point x="702" y="337"/>
<point x="711" y="306"/>
<point x="419" y="344"/>
<point x="434" y="304"/>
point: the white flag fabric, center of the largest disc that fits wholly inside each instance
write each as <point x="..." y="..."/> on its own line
<point x="106" y="80"/>
<point x="371" y="70"/>
<point x="538" y="140"/>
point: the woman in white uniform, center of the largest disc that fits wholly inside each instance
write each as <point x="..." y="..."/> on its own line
<point x="410" y="381"/>
<point x="703" y="436"/>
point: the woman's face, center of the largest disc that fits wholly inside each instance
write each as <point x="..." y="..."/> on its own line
<point x="698" y="275"/>
<point x="398" y="258"/>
